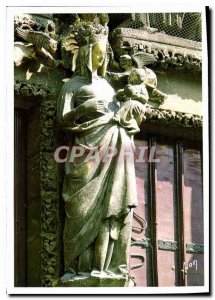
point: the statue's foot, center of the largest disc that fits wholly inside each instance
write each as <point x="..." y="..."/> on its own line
<point x="120" y="271"/>
<point x="67" y="277"/>
<point x="71" y="271"/>
<point x="83" y="275"/>
<point x="123" y="269"/>
<point x="98" y="273"/>
<point x="109" y="272"/>
<point x="71" y="275"/>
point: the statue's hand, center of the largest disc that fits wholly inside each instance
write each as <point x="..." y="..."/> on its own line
<point x="131" y="109"/>
<point x="95" y="105"/>
<point x="158" y="96"/>
<point x="90" y="106"/>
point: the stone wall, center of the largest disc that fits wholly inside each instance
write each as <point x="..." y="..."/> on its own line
<point x="44" y="222"/>
<point x="38" y="96"/>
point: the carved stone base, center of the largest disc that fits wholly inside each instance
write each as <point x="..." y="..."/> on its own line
<point x="94" y="281"/>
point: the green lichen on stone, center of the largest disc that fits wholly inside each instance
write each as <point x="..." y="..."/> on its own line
<point x="178" y="119"/>
<point x="48" y="121"/>
<point x="97" y="282"/>
<point x="49" y="195"/>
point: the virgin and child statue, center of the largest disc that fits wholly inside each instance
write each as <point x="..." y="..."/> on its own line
<point x="99" y="194"/>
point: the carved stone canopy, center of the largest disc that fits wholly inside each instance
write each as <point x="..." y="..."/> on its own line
<point x="167" y="50"/>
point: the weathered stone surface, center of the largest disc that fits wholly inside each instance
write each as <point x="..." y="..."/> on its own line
<point x="38" y="81"/>
<point x="33" y="184"/>
<point x="39" y="84"/>
<point x="98" y="211"/>
<point x="36" y="44"/>
<point x="169" y="51"/>
<point x="33" y="131"/>
<point x="48" y="168"/>
<point x="33" y="239"/>
<point x="175" y="118"/>
<point x="97" y="282"/>
<point x="51" y="234"/>
<point x="37" y="22"/>
<point x="48" y="129"/>
<point x="34" y="260"/>
<point x="160" y="37"/>
<point x="30" y="89"/>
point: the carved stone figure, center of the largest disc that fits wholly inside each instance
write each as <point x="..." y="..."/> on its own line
<point x="136" y="88"/>
<point x="135" y="91"/>
<point x="149" y="82"/>
<point x="99" y="193"/>
<point x="141" y="87"/>
<point x="40" y="46"/>
<point x="23" y="52"/>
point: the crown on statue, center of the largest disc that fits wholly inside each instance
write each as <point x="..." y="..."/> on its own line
<point x="89" y="34"/>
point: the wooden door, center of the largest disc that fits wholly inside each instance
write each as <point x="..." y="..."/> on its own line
<point x="167" y="236"/>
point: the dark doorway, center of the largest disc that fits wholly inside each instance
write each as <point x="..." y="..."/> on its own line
<point x="20" y="197"/>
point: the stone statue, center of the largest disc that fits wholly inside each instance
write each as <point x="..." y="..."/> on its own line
<point x="38" y="46"/>
<point x="99" y="193"/>
<point x="136" y="88"/>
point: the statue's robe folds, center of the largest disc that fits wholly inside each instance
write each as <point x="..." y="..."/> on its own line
<point x="98" y="187"/>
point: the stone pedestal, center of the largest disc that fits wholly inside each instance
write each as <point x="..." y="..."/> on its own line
<point x="93" y="281"/>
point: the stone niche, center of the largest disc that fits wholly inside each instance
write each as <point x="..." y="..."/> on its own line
<point x="37" y="99"/>
<point x="43" y="206"/>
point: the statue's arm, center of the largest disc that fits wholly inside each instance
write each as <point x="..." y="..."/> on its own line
<point x="71" y="116"/>
<point x="68" y="115"/>
<point x="141" y="96"/>
<point x="64" y="105"/>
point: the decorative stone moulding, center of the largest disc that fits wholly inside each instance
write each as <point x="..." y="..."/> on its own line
<point x="154" y="115"/>
<point x="25" y="89"/>
<point x="174" y="118"/>
<point x="168" y="50"/>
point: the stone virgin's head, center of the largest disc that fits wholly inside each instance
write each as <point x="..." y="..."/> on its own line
<point x="98" y="54"/>
<point x="92" y="41"/>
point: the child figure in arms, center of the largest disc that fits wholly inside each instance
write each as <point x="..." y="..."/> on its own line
<point x="134" y="96"/>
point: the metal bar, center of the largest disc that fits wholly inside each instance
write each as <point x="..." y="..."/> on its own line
<point x="178" y="184"/>
<point x="144" y="243"/>
<point x="194" y="248"/>
<point x="173" y="246"/>
<point x="141" y="258"/>
<point x="143" y="223"/>
<point x="152" y="213"/>
<point x="167" y="245"/>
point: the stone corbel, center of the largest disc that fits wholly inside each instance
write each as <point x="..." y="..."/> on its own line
<point x="34" y="41"/>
